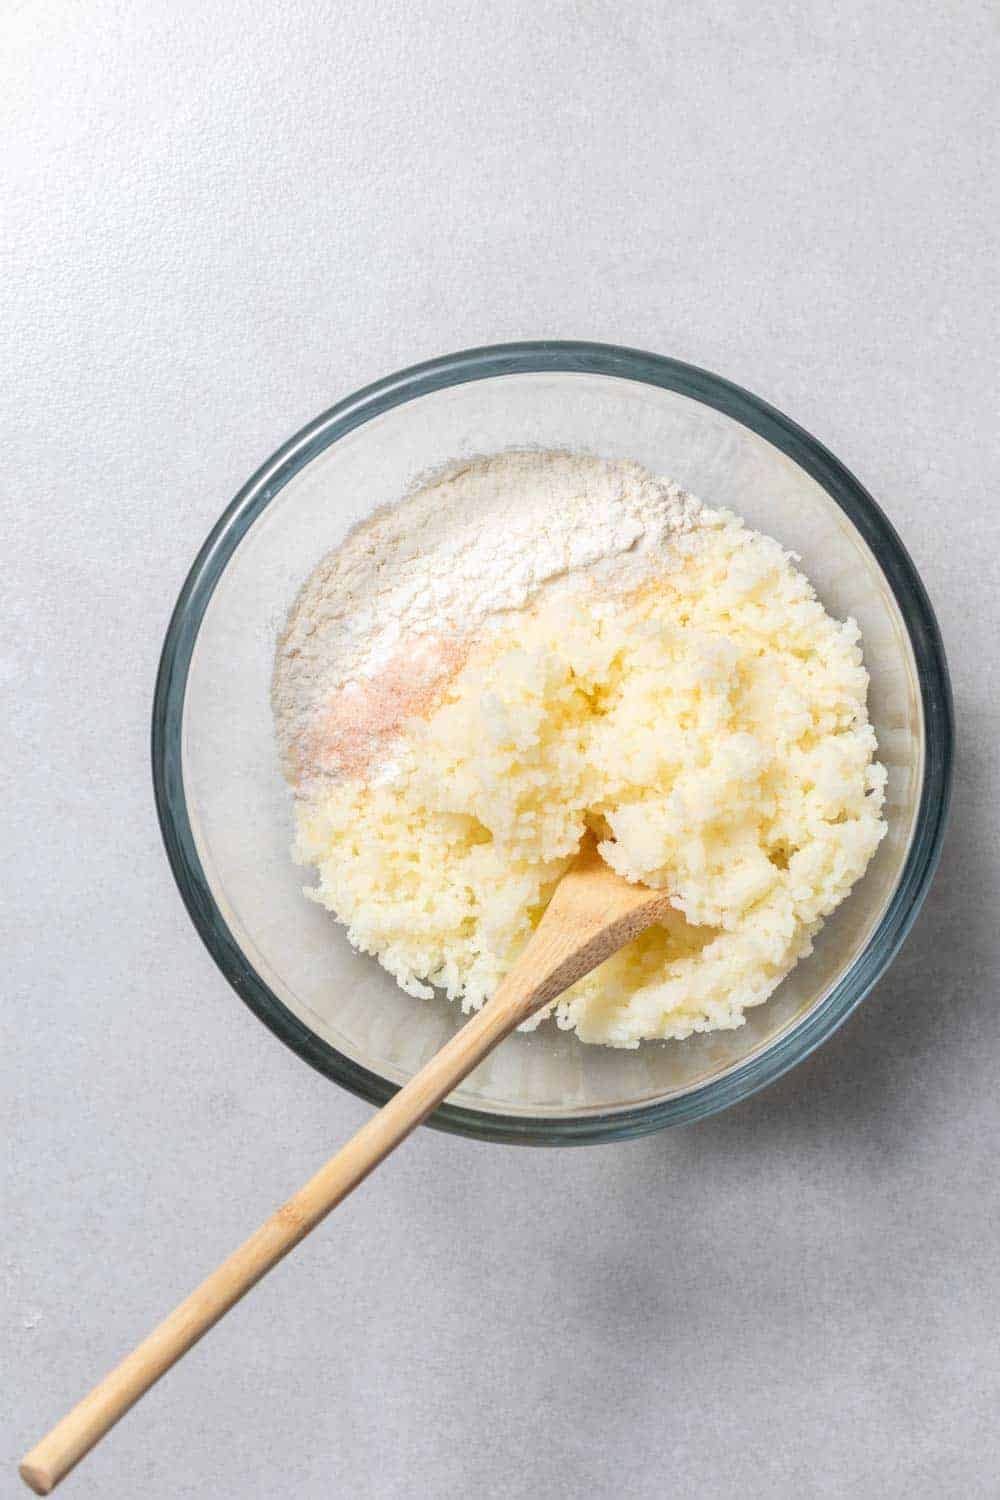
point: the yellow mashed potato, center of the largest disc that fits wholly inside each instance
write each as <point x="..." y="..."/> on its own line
<point x="711" y="728"/>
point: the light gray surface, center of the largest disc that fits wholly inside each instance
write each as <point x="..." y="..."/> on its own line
<point x="216" y="227"/>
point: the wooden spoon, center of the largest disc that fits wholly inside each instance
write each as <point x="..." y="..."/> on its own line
<point x="593" y="912"/>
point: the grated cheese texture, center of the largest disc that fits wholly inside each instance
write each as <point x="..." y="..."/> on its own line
<point x="710" y="725"/>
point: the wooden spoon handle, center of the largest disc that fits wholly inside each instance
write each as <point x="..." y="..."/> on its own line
<point x="591" y="914"/>
<point x="52" y="1458"/>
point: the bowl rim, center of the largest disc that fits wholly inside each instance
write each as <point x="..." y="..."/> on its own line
<point x="563" y="357"/>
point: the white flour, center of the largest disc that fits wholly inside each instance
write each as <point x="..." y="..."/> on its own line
<point x="384" y="620"/>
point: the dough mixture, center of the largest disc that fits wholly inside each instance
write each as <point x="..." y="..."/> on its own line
<point x="540" y="643"/>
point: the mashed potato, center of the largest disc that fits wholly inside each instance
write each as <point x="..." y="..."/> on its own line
<point x="711" y="728"/>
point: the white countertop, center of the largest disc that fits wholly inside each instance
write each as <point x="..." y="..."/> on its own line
<point x="219" y="221"/>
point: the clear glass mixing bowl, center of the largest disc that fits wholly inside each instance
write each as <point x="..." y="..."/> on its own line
<point x="226" y="814"/>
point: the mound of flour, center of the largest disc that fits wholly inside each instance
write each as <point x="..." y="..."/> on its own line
<point x="386" y="619"/>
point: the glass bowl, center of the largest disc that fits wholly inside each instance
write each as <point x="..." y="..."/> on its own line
<point x="226" y="813"/>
